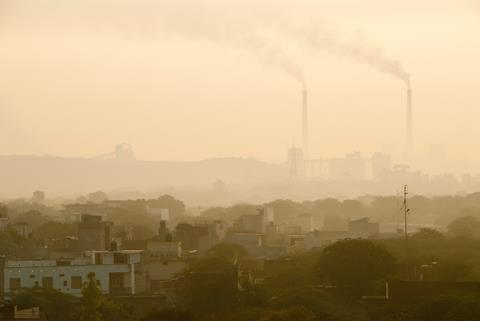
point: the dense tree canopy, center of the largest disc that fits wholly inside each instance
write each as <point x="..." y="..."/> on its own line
<point x="174" y="206"/>
<point x="97" y="197"/>
<point x="354" y="265"/>
<point x="91" y="300"/>
<point x="466" y="226"/>
<point x="171" y="314"/>
<point x="55" y="230"/>
<point x="213" y="276"/>
<point x="38" y="197"/>
<point x="56" y="305"/>
<point x="290" y="314"/>
<point x="228" y="251"/>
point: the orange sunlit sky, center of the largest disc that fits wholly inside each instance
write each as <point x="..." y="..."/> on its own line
<point x="183" y="80"/>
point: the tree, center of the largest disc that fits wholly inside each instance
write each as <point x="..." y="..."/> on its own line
<point x="111" y="311"/>
<point x="451" y="270"/>
<point x="38" y="197"/>
<point x="55" y="230"/>
<point x="393" y="312"/>
<point x="428" y="233"/>
<point x="465" y="311"/>
<point x="175" y="207"/>
<point x="34" y="218"/>
<point x="91" y="300"/>
<point x="56" y="305"/>
<point x="435" y="309"/>
<point x="354" y="265"/>
<point x="227" y="251"/>
<point x="169" y="315"/>
<point x="97" y="197"/>
<point x="317" y="300"/>
<point x="466" y="226"/>
<point x="3" y="210"/>
<point x="213" y="276"/>
<point x="284" y="210"/>
<point x="290" y="314"/>
<point x="10" y="242"/>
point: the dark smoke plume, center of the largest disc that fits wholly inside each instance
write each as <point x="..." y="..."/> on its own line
<point x="355" y="49"/>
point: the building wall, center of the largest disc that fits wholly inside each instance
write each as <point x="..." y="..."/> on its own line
<point x="164" y="250"/>
<point x="363" y="228"/>
<point x="91" y="238"/>
<point x="164" y="271"/>
<point x="32" y="276"/>
<point x="33" y="273"/>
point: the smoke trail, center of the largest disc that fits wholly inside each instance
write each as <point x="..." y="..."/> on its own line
<point x="272" y="54"/>
<point x="356" y="49"/>
<point x="148" y="19"/>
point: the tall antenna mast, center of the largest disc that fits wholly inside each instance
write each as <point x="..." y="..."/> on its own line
<point x="406" y="210"/>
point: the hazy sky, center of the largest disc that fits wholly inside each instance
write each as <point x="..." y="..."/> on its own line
<point x="193" y="79"/>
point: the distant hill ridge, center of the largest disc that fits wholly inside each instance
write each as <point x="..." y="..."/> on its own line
<point x="20" y="175"/>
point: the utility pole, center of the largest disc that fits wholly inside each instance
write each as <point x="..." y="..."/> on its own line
<point x="406" y="211"/>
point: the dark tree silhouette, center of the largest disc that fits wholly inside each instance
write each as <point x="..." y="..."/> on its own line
<point x="168" y="315"/>
<point x="290" y="314"/>
<point x="227" y="251"/>
<point x="354" y="265"/>
<point x="91" y="300"/>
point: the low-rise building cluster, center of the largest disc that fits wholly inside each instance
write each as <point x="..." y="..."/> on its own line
<point x="126" y="266"/>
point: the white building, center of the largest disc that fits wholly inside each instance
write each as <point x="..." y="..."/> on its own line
<point x="114" y="271"/>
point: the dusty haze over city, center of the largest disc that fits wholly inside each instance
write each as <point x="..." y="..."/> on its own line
<point x="192" y="80"/>
<point x="239" y="160"/>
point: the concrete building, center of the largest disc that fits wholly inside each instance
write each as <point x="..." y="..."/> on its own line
<point x="115" y="272"/>
<point x="252" y="223"/>
<point x="305" y="222"/>
<point x="74" y="212"/>
<point x="199" y="238"/>
<point x="352" y="167"/>
<point x="363" y="228"/>
<point x="318" y="239"/>
<point x="93" y="233"/>
<point x="164" y="250"/>
<point x="165" y="262"/>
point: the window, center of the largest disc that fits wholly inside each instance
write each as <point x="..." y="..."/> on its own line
<point x="119" y="258"/>
<point x="76" y="282"/>
<point x="65" y="283"/>
<point x="98" y="258"/>
<point x="47" y="282"/>
<point x="15" y="284"/>
<point x="116" y="280"/>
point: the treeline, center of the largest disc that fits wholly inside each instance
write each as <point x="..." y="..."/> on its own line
<point x="439" y="210"/>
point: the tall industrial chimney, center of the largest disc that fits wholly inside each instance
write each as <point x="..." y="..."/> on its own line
<point x="305" y="124"/>
<point x="409" y="134"/>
